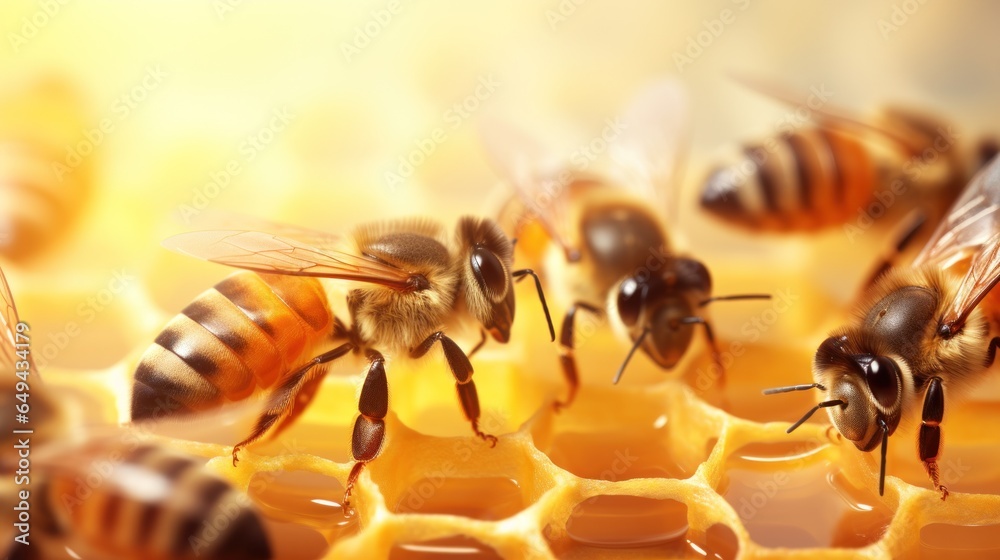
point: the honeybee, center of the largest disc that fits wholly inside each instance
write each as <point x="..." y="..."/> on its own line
<point x="839" y="168"/>
<point x="919" y="331"/>
<point x="43" y="178"/>
<point x="114" y="496"/>
<point x="261" y="329"/>
<point x="120" y="499"/>
<point x="617" y="258"/>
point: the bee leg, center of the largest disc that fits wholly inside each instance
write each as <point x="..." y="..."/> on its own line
<point x="284" y="397"/>
<point x="566" y="356"/>
<point x="369" y="428"/>
<point x="929" y="442"/>
<point x="991" y="351"/>
<point x="303" y="397"/>
<point x="917" y="220"/>
<point x="461" y="368"/>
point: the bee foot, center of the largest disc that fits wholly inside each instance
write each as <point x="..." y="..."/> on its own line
<point x="492" y="440"/>
<point x="346" y="505"/>
<point x="944" y="492"/>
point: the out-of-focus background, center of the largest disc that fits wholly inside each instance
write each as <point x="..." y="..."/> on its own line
<point x="332" y="114"/>
<point x="306" y="111"/>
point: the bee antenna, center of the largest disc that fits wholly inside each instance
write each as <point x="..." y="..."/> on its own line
<point x="518" y="275"/>
<point x="813" y="410"/>
<point x="885" y="449"/>
<point x="733" y="298"/>
<point x="621" y="368"/>
<point x="791" y="388"/>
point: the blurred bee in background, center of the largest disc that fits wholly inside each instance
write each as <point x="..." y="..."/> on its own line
<point x="921" y="330"/>
<point x="112" y="498"/>
<point x="44" y="166"/>
<point x="108" y="497"/>
<point x="261" y="330"/>
<point x="840" y="168"/>
<point x="617" y="258"/>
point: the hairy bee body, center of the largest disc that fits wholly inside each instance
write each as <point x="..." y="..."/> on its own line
<point x="140" y="501"/>
<point x="398" y="321"/>
<point x="922" y="333"/>
<point x="110" y="496"/>
<point x="821" y="176"/>
<point x="233" y="339"/>
<point x="899" y="319"/>
<point x="617" y="235"/>
<point x="261" y="330"/>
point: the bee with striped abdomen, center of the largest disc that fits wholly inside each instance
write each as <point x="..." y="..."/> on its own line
<point x="839" y="170"/>
<point x="110" y="499"/>
<point x="616" y="256"/>
<point x="262" y="330"/>
<point x="109" y="496"/>
<point x="922" y="331"/>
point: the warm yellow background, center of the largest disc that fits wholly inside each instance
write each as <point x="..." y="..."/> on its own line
<point x="228" y="68"/>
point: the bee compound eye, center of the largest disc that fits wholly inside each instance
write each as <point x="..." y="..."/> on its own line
<point x="629" y="301"/>
<point x="882" y="376"/>
<point x="853" y="419"/>
<point x="489" y="272"/>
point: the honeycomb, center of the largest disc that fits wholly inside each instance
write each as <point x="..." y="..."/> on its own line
<point x="666" y="464"/>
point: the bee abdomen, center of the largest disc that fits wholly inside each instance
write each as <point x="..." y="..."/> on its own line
<point x="809" y="179"/>
<point x="241" y="335"/>
<point x="151" y="503"/>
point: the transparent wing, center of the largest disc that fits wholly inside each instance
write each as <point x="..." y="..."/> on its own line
<point x="972" y="221"/>
<point x="234" y="221"/>
<point x="971" y="229"/>
<point x="540" y="180"/>
<point x="826" y="113"/>
<point x="270" y="253"/>
<point x="983" y="274"/>
<point x="10" y="320"/>
<point x="651" y="146"/>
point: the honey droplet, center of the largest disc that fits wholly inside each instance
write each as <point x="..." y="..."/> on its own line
<point x="303" y="497"/>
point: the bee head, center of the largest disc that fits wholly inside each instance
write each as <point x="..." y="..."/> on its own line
<point x="659" y="310"/>
<point x="864" y="385"/>
<point x="868" y="383"/>
<point x="487" y="256"/>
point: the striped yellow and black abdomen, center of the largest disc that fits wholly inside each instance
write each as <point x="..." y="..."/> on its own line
<point x="241" y="335"/>
<point x="808" y="179"/>
<point x="144" y="502"/>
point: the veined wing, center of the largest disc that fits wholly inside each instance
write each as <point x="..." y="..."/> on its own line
<point x="542" y="183"/>
<point x="649" y="152"/>
<point x="270" y="253"/>
<point x="971" y="229"/>
<point x="9" y="357"/>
